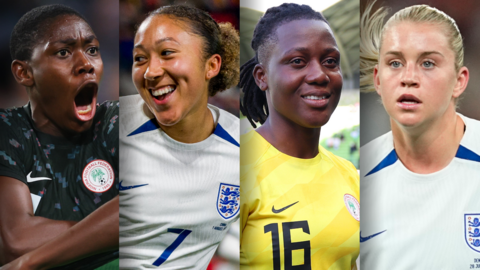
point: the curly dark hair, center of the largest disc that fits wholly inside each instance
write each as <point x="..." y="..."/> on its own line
<point x="32" y="26"/>
<point x="254" y="102"/>
<point x="221" y="38"/>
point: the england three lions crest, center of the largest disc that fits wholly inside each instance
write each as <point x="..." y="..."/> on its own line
<point x="228" y="200"/>
<point x="472" y="231"/>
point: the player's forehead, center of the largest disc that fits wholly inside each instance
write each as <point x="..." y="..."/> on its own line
<point x="304" y="33"/>
<point x="161" y="26"/>
<point x="65" y="28"/>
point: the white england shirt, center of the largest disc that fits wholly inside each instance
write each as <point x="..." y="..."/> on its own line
<point x="420" y="221"/>
<point x="177" y="200"/>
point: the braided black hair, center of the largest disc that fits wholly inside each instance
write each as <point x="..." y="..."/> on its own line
<point x="32" y="26"/>
<point x="254" y="102"/>
<point x="221" y="38"/>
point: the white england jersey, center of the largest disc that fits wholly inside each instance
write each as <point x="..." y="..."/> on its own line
<point x="420" y="221"/>
<point x="177" y="200"/>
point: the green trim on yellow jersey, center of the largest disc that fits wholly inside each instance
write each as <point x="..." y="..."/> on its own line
<point x="293" y="211"/>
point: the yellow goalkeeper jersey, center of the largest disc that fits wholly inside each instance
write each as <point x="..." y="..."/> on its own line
<point x="296" y="213"/>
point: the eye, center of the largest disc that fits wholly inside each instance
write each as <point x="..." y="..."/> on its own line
<point x="331" y="62"/>
<point x="428" y="64"/>
<point x="139" y="58"/>
<point x="395" y="64"/>
<point x="167" y="52"/>
<point x="93" y="50"/>
<point x="297" y="62"/>
<point x="63" y="53"/>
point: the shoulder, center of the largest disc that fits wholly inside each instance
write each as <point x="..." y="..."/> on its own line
<point x="106" y="119"/>
<point x="13" y="122"/>
<point x="107" y="109"/>
<point x="375" y="152"/>
<point x="14" y="116"/>
<point x="344" y="167"/>
<point x="133" y="114"/>
<point x="129" y="103"/>
<point x="471" y="137"/>
<point x="17" y="137"/>
<point x="226" y="123"/>
<point x="339" y="161"/>
<point x="254" y="148"/>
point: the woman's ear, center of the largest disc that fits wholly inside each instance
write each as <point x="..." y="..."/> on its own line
<point x="213" y="65"/>
<point x="462" y="82"/>
<point x="376" y="80"/>
<point x="260" y="75"/>
<point x="22" y="73"/>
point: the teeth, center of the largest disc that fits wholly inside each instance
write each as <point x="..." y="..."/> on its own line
<point x="314" y="97"/>
<point x="87" y="110"/>
<point x="409" y="102"/>
<point x="163" y="91"/>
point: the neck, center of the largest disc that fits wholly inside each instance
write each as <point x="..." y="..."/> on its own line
<point x="430" y="147"/>
<point x="47" y="126"/>
<point x="290" y="138"/>
<point x="196" y="127"/>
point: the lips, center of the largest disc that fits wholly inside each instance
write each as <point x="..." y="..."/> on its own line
<point x="161" y="94"/>
<point x="85" y="100"/>
<point x="316" y="99"/>
<point x="408" y="99"/>
<point x="408" y="102"/>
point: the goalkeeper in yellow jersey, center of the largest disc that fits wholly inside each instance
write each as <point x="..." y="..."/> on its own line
<point x="299" y="203"/>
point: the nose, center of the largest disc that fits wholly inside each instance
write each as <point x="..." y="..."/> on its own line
<point x="316" y="74"/>
<point x="84" y="65"/>
<point x="410" y="76"/>
<point x="154" y="69"/>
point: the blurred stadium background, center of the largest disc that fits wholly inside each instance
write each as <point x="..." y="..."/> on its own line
<point x="341" y="134"/>
<point x="102" y="16"/>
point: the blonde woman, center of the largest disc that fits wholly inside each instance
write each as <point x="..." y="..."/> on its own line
<point x="420" y="182"/>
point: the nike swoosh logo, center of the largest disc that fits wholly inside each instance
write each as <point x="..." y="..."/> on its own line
<point x="363" y="239"/>
<point x="129" y="187"/>
<point x="282" y="209"/>
<point x="34" y="179"/>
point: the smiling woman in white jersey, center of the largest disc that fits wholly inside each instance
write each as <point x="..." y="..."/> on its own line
<point x="179" y="184"/>
<point x="420" y="182"/>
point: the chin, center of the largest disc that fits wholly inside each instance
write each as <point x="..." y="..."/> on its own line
<point x="165" y="120"/>
<point x="407" y="121"/>
<point x="315" y="122"/>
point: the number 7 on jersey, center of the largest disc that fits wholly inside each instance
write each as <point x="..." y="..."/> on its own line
<point x="168" y="251"/>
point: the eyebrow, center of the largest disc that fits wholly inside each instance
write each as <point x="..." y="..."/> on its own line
<point x="297" y="49"/>
<point x="165" y="39"/>
<point x="71" y="40"/>
<point x="400" y="54"/>
<point x="159" y="41"/>
<point x="304" y="49"/>
<point x="431" y="52"/>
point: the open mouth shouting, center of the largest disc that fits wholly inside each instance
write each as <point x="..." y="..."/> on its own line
<point x="85" y="101"/>
<point x="317" y="99"/>
<point x="408" y="102"/>
<point x="162" y="94"/>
